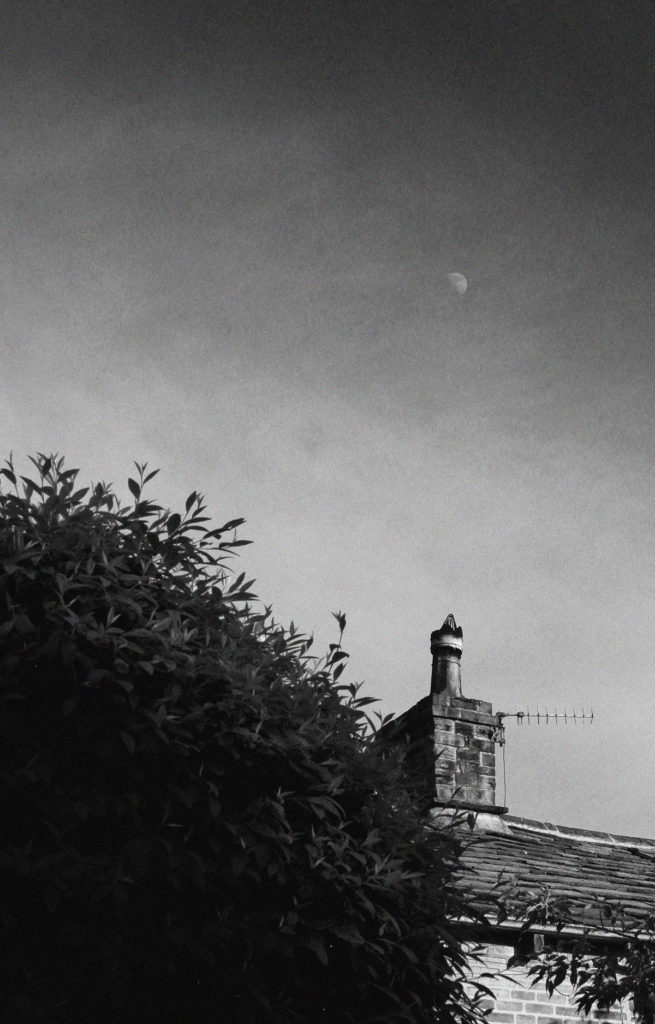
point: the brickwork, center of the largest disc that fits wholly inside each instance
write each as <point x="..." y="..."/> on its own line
<point x="450" y="745"/>
<point x="517" y="1002"/>
<point x="464" y="750"/>
<point x="414" y="730"/>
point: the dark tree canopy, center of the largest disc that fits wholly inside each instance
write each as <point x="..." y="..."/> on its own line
<point x="196" y="825"/>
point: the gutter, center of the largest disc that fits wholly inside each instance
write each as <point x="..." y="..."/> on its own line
<point x="570" y="930"/>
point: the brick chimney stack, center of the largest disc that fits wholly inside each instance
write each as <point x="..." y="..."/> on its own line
<point x="450" y="739"/>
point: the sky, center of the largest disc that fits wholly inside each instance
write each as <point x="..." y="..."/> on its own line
<point x="226" y="231"/>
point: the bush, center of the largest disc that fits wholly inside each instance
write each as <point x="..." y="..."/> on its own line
<point x="197" y="826"/>
<point x="603" y="948"/>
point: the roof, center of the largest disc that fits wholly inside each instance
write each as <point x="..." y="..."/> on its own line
<point x="571" y="864"/>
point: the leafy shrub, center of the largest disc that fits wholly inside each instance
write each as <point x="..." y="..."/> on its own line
<point x="196" y="826"/>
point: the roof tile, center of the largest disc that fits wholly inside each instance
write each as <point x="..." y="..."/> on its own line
<point x="576" y="864"/>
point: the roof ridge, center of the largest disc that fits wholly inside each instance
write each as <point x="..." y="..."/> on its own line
<point x="579" y="834"/>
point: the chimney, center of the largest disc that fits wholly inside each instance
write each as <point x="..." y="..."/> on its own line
<point x="450" y="739"/>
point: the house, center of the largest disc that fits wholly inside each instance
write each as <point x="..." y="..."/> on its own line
<point x="450" y="743"/>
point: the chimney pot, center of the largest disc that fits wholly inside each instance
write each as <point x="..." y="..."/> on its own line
<point x="446" y="645"/>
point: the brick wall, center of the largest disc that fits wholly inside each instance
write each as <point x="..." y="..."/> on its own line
<point x="517" y="1002"/>
<point x="450" y="745"/>
<point x="464" y="749"/>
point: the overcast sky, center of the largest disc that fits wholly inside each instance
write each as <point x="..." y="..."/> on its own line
<point x="226" y="232"/>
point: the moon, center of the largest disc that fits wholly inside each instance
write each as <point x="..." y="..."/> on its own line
<point x="458" y="283"/>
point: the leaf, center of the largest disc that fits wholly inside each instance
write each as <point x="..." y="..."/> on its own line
<point x="190" y="500"/>
<point x="173" y="522"/>
<point x="69" y="705"/>
<point x="24" y="626"/>
<point x="341" y="619"/>
<point x="134" y="487"/>
<point x="231" y="525"/>
<point x="128" y="741"/>
<point x="237" y="583"/>
<point x="320" y="950"/>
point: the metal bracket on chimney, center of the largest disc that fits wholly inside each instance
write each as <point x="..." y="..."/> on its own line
<point x="499" y="730"/>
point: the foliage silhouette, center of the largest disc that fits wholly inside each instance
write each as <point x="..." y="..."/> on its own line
<point x="197" y="824"/>
<point x="604" y="950"/>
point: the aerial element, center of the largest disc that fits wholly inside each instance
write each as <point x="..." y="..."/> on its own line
<point x="458" y="283"/>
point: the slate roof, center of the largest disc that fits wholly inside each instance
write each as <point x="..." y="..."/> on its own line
<point x="581" y="866"/>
